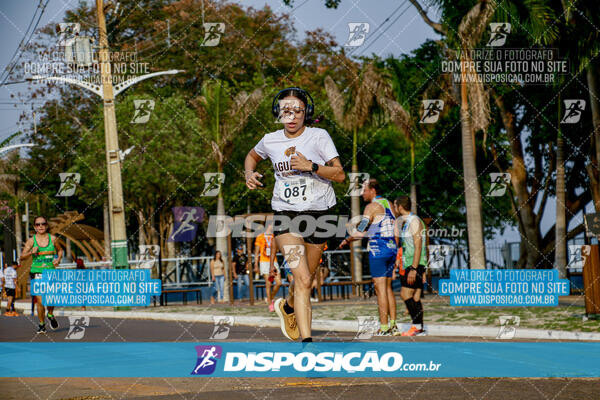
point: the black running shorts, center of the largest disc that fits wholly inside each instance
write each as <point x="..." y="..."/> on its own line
<point x="418" y="283"/>
<point x="310" y="232"/>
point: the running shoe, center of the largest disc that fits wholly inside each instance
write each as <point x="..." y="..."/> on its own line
<point x="394" y="330"/>
<point x="272" y="306"/>
<point x="411" y="332"/>
<point x="414" y="331"/>
<point x="41" y="328"/>
<point x="289" y="327"/>
<point x="53" y="322"/>
<point x="383" y="333"/>
<point x="397" y="332"/>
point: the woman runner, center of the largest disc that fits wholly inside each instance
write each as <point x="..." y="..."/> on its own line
<point x="305" y="161"/>
<point x="47" y="254"/>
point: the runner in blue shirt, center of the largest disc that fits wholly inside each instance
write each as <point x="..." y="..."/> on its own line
<point x="378" y="223"/>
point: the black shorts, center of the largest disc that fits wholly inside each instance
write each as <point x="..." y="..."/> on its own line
<point x="10" y="292"/>
<point x="314" y="236"/>
<point x="418" y="283"/>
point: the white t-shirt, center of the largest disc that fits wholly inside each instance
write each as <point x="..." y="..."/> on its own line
<point x="297" y="190"/>
<point x="10" y="274"/>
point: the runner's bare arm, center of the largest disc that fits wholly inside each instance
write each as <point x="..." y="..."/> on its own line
<point x="256" y="257"/>
<point x="27" y="249"/>
<point x="252" y="160"/>
<point x="332" y="169"/>
<point x="59" y="251"/>
<point x="371" y="210"/>
<point x="417" y="240"/>
<point x="273" y="257"/>
<point x="397" y="230"/>
<point x="273" y="253"/>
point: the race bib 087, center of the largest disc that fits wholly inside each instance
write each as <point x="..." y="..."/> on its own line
<point x="297" y="191"/>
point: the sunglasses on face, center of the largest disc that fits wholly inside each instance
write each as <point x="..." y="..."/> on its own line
<point x="295" y="110"/>
<point x="40" y="224"/>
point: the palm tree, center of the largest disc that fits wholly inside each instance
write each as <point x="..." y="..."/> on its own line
<point x="10" y="183"/>
<point x="221" y="117"/>
<point x="407" y="122"/>
<point x="406" y="125"/>
<point x="474" y="113"/>
<point x="536" y="18"/>
<point x="560" y="242"/>
<point x="584" y="57"/>
<point x="579" y="19"/>
<point x="594" y="170"/>
<point x="351" y="114"/>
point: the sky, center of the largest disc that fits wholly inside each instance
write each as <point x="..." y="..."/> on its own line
<point x="406" y="32"/>
<point x="15" y="17"/>
<point x="402" y="32"/>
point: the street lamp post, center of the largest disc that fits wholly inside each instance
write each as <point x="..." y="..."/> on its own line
<point x="15" y="146"/>
<point x="113" y="160"/>
<point x="116" y="205"/>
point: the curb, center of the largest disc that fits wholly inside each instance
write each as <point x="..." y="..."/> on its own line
<point x="480" y="332"/>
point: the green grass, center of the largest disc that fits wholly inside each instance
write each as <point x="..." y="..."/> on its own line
<point x="437" y="311"/>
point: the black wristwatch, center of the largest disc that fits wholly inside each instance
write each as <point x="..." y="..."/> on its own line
<point x="315" y="167"/>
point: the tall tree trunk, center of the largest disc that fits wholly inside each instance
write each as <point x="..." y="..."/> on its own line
<point x="18" y="231"/>
<point x="355" y="210"/>
<point x="532" y="239"/>
<point x="107" y="253"/>
<point x="141" y="231"/>
<point x="167" y="249"/>
<point x="222" y="246"/>
<point x="561" y="216"/>
<point x="593" y="168"/>
<point x="9" y="240"/>
<point x="472" y="190"/>
<point x="413" y="184"/>
<point x="152" y="232"/>
<point x="170" y="245"/>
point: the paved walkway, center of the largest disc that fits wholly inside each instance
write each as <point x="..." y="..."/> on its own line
<point x="339" y="316"/>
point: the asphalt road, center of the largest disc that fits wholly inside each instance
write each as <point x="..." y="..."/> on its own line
<point x="298" y="388"/>
<point x="22" y="329"/>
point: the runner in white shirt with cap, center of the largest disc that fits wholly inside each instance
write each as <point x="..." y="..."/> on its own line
<point x="305" y="161"/>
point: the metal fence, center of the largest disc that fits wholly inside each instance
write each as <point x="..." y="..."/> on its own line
<point x="186" y="271"/>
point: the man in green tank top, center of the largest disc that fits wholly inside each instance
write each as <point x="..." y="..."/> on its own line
<point x="414" y="262"/>
<point x="47" y="254"/>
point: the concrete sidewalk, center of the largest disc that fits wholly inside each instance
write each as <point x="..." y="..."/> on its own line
<point x="469" y="332"/>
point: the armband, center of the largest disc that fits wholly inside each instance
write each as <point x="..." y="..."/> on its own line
<point x="363" y="224"/>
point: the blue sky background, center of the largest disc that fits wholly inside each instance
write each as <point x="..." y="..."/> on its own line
<point x="401" y="33"/>
<point x="405" y="34"/>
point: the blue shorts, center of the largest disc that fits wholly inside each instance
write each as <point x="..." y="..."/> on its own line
<point x="382" y="266"/>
